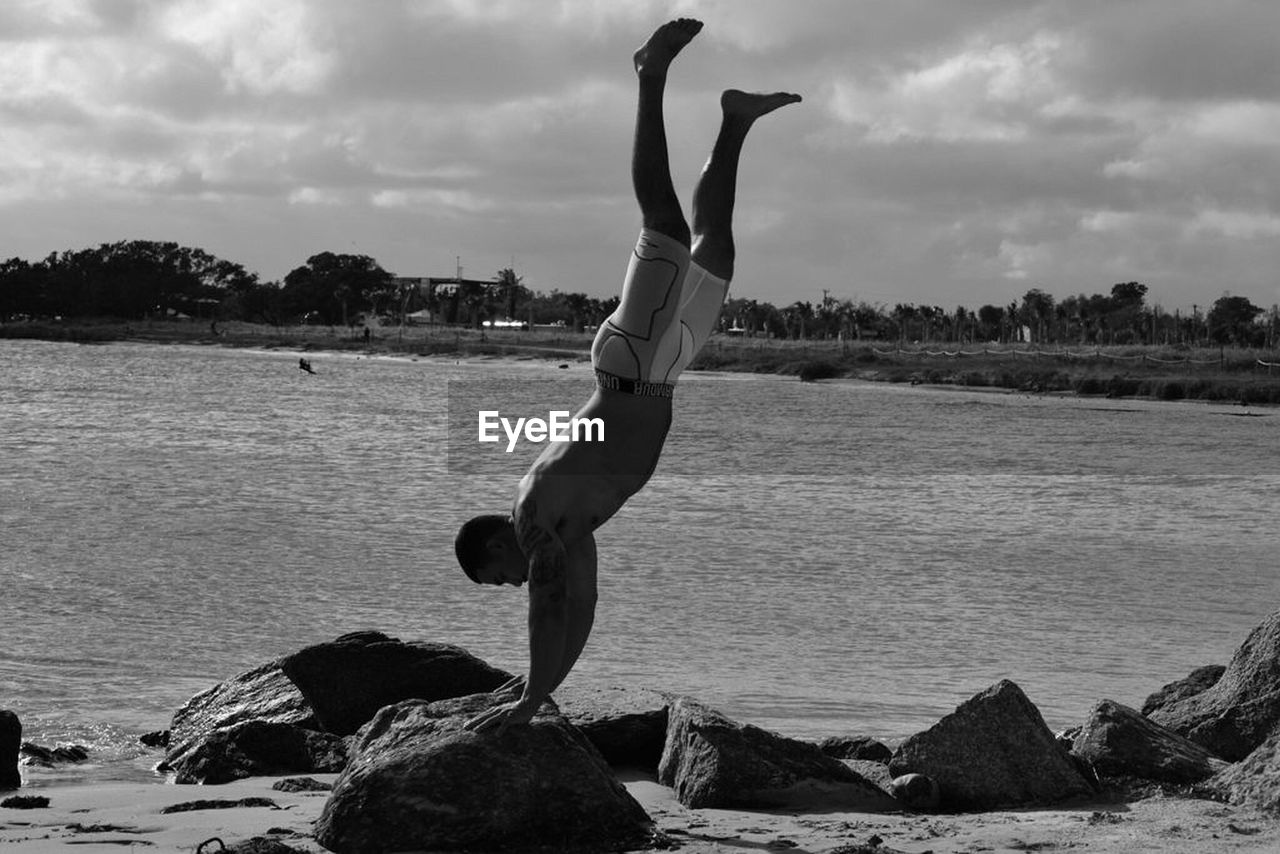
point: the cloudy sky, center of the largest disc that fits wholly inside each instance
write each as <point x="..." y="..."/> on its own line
<point x="952" y="152"/>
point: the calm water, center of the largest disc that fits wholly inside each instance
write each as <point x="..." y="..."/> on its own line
<point x="812" y="558"/>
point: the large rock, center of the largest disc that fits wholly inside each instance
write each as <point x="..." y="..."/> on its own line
<point x="711" y="761"/>
<point x="860" y="747"/>
<point x="417" y="780"/>
<point x="349" y="679"/>
<point x="1119" y="742"/>
<point x="261" y="694"/>
<point x="257" y="749"/>
<point x="1254" y="781"/>
<point x="993" y="751"/>
<point x="10" y="741"/>
<point x="627" y="725"/>
<point x="1242" y="708"/>
<point x="1196" y="682"/>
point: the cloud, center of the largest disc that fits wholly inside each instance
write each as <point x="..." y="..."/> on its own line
<point x="945" y="152"/>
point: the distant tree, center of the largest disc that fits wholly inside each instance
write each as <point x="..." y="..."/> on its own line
<point x="991" y="323"/>
<point x="336" y="287"/>
<point x="1035" y="313"/>
<point x="1231" y="321"/>
<point x="904" y="315"/>
<point x="22" y="289"/>
<point x="514" y="294"/>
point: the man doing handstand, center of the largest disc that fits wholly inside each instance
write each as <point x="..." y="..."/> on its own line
<point x="671" y="300"/>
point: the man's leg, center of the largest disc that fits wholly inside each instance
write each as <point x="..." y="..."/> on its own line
<point x="714" y="196"/>
<point x="650" y="168"/>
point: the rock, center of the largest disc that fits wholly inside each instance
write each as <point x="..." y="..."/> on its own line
<point x="261" y="694"/>
<point x="627" y="725"/>
<point x="875" y="773"/>
<point x="156" y="738"/>
<point x="47" y="757"/>
<point x="1198" y="681"/>
<point x="219" y="804"/>
<point x="257" y="749"/>
<point x="1242" y="708"/>
<point x="25" y="802"/>
<point x="1119" y="742"/>
<point x="256" y="845"/>
<point x="417" y="780"/>
<point x="1254" y="781"/>
<point x="993" y="751"/>
<point x="301" y="784"/>
<point x="10" y="741"/>
<point x="916" y="791"/>
<point x="349" y="679"/>
<point x="711" y="761"/>
<point x="860" y="747"/>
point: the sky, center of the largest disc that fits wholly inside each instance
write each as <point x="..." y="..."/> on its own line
<point x="949" y="152"/>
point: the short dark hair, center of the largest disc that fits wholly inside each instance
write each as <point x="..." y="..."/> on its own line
<point x="472" y="543"/>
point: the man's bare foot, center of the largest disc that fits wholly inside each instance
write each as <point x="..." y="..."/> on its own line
<point x="656" y="54"/>
<point x="753" y="105"/>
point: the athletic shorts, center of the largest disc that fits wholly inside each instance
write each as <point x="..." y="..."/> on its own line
<point x="669" y="308"/>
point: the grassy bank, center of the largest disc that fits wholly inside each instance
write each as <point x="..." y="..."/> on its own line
<point x="1163" y="373"/>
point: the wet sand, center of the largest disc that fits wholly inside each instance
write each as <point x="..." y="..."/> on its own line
<point x="110" y="817"/>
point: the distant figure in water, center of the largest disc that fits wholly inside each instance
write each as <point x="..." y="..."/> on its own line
<point x="304" y="365"/>
<point x="675" y="284"/>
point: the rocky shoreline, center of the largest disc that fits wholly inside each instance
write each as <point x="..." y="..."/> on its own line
<point x="384" y="718"/>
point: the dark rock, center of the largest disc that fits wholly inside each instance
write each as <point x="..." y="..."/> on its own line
<point x="994" y="750"/>
<point x="158" y="738"/>
<point x="261" y="694"/>
<point x="301" y="784"/>
<point x="1242" y="708"/>
<point x="1254" y="781"/>
<point x="916" y="791"/>
<point x="875" y="773"/>
<point x="860" y="747"/>
<point x="10" y="741"/>
<point x="257" y="845"/>
<point x="418" y="780"/>
<point x="1119" y="742"/>
<point x="219" y="804"/>
<point x="257" y="749"/>
<point x="711" y="761"/>
<point x="25" y="802"/>
<point x="47" y="757"/>
<point x="349" y="679"/>
<point x="1198" y="681"/>
<point x="627" y="725"/>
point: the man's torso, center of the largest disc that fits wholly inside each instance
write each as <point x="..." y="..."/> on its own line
<point x="575" y="487"/>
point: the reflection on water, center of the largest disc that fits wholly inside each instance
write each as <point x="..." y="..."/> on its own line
<point x="813" y="558"/>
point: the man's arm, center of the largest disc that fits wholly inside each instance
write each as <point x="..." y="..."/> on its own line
<point x="548" y="603"/>
<point x="582" y="602"/>
<point x="548" y="617"/>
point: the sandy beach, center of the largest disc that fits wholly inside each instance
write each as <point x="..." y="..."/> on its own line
<point x="110" y="817"/>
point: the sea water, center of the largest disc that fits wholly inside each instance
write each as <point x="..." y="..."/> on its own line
<point x="814" y="558"/>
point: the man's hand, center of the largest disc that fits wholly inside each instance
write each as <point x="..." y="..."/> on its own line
<point x="498" y="718"/>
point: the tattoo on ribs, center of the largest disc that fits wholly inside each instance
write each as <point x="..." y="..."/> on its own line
<point x="541" y="546"/>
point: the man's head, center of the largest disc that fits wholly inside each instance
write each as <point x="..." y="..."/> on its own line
<point x="488" y="552"/>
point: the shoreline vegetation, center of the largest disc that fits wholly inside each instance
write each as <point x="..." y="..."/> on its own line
<point x="1215" y="374"/>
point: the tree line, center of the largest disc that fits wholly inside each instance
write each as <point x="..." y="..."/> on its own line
<point x="139" y="279"/>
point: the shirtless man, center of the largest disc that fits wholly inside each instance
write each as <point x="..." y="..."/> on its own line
<point x="671" y="300"/>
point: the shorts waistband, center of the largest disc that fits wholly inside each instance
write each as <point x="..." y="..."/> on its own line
<point x="640" y="388"/>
